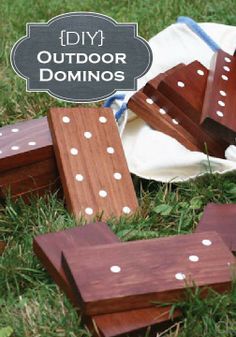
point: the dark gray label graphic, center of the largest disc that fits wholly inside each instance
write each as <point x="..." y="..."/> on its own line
<point x="81" y="57"/>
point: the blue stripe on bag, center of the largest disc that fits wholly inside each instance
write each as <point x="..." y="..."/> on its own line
<point x="199" y="31"/>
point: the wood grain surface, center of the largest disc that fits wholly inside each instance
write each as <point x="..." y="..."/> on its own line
<point x="115" y="277"/>
<point x="207" y="142"/>
<point x="25" y="143"/>
<point x="186" y="87"/>
<point x="2" y="246"/>
<point x="91" y="162"/>
<point x="121" y="323"/>
<point x="48" y="248"/>
<point x="219" y="108"/>
<point x="222" y="219"/>
<point x="158" y="119"/>
<point x="25" y="179"/>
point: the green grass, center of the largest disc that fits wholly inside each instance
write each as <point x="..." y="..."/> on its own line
<point x="30" y="303"/>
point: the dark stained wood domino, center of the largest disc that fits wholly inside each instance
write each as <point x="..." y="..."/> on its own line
<point x="2" y="247"/>
<point x="192" y="94"/>
<point x="39" y="192"/>
<point x="48" y="248"/>
<point x="115" y="277"/>
<point x="219" y="108"/>
<point x="158" y="119"/>
<point x="91" y="162"/>
<point x="222" y="219"/>
<point x="25" y="143"/>
<point x="152" y="85"/>
<point x="27" y="161"/>
<point x="120" y="323"/>
<point x="28" y="178"/>
<point x="186" y="87"/>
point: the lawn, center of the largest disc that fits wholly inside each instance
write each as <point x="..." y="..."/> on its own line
<point x="30" y="303"/>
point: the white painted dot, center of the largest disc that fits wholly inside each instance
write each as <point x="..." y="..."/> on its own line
<point x="126" y="210"/>
<point x="89" y="210"/>
<point x="79" y="177"/>
<point x="221" y="103"/>
<point x="87" y="134"/>
<point x="117" y="176"/>
<point x="102" y="119"/>
<point x="14" y="130"/>
<point x="227" y="59"/>
<point x="32" y="143"/>
<point x="0" y="151"/>
<point x="224" y="77"/>
<point x="66" y="119"/>
<point x="162" y="111"/>
<point x="149" y="101"/>
<point x="193" y="258"/>
<point x="226" y="68"/>
<point x="200" y="72"/>
<point x="74" y="151"/>
<point x="110" y="150"/>
<point x="219" y="113"/>
<point x="15" y="148"/>
<point x="222" y="93"/>
<point x="180" y="276"/>
<point x="0" y="134"/>
<point x="102" y="193"/>
<point x="174" y="121"/>
<point x="181" y="84"/>
<point x="115" y="269"/>
<point x="206" y="242"/>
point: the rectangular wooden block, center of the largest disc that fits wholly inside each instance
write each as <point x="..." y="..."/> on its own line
<point x="48" y="248"/>
<point x="38" y="192"/>
<point x="27" y="161"/>
<point x="206" y="141"/>
<point x="91" y="162"/>
<point x="25" y="143"/>
<point x="222" y="219"/>
<point x="115" y="277"/>
<point x="2" y="247"/>
<point x="158" y="119"/>
<point x="152" y="85"/>
<point x="186" y="87"/>
<point x="219" y="108"/>
<point x="25" y="179"/>
<point x="132" y="321"/>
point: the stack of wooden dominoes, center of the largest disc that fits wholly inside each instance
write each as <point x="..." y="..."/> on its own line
<point x="192" y="104"/>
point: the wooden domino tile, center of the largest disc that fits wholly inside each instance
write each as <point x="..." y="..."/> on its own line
<point x="205" y="140"/>
<point x="186" y="87"/>
<point x="219" y="108"/>
<point x="25" y="143"/>
<point x="2" y="247"/>
<point x="48" y="248"/>
<point x="117" y="277"/>
<point x="28" y="178"/>
<point x="91" y="162"/>
<point x="222" y="219"/>
<point x="152" y="85"/>
<point x="27" y="162"/>
<point x="158" y="119"/>
<point x="120" y="323"/>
